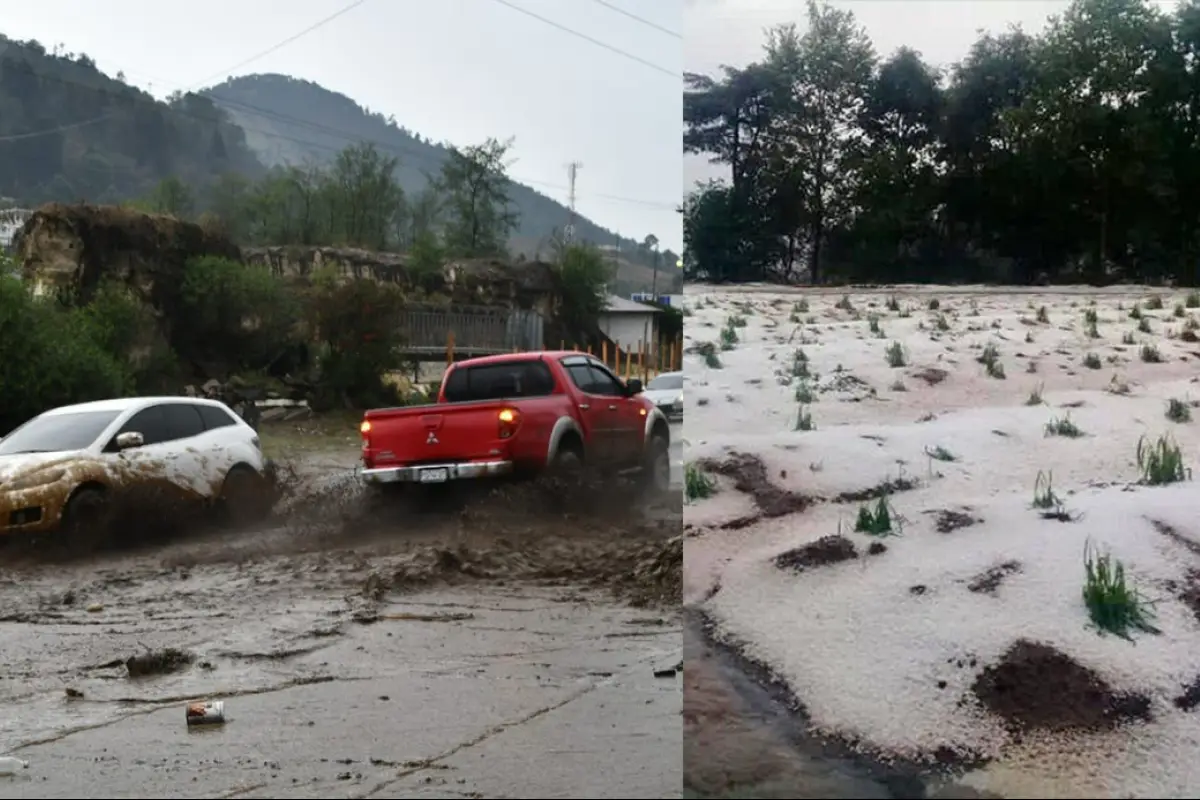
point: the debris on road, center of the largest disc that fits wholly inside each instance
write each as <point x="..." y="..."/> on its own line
<point x="10" y="766"/>
<point x="210" y="713"/>
<point x="458" y="617"/>
<point x="669" y="672"/>
<point x="158" y="662"/>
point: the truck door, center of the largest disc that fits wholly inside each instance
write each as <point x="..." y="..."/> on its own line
<point x="598" y="420"/>
<point x="628" y="416"/>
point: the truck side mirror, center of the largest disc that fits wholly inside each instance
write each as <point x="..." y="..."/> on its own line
<point x="633" y="386"/>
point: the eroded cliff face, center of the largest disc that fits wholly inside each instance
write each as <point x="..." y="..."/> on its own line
<point x="76" y="247"/>
<point x="472" y="282"/>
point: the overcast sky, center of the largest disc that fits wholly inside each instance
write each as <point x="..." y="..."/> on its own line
<point x="730" y="32"/>
<point x="455" y="70"/>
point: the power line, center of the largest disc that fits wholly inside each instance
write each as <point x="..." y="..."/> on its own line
<point x="277" y="46"/>
<point x="347" y="137"/>
<point x="280" y="45"/>
<point x="17" y="137"/>
<point x="591" y="39"/>
<point x="636" y="18"/>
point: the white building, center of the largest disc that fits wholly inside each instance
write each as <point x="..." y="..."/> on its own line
<point x="11" y="220"/>
<point x="631" y="325"/>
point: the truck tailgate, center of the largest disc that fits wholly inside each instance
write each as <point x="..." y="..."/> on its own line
<point x="430" y="434"/>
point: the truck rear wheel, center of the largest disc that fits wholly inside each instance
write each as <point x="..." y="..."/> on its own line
<point x="567" y="462"/>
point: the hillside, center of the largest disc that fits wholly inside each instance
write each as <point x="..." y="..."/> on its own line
<point x="69" y="132"/>
<point x="292" y="121"/>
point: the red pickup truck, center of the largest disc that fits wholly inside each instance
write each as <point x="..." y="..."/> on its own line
<point x="519" y="414"/>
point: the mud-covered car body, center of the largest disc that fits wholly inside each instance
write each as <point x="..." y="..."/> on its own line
<point x="186" y="447"/>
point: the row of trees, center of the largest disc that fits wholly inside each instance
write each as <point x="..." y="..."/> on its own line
<point x="334" y="340"/>
<point x="1071" y="155"/>
<point x="357" y="201"/>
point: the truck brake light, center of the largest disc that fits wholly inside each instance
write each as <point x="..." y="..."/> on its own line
<point x="365" y="430"/>
<point x="509" y="419"/>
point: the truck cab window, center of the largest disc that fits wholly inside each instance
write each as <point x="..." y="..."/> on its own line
<point x="501" y="381"/>
<point x="605" y="384"/>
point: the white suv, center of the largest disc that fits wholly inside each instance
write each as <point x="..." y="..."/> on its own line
<point x="59" y="469"/>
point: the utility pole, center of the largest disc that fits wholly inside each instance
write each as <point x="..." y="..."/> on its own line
<point x="572" y="172"/>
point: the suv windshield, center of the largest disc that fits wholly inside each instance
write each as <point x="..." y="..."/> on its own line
<point x="672" y="380"/>
<point x="57" y="432"/>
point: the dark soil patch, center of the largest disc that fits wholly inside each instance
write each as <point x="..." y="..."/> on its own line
<point x="1188" y="591"/>
<point x="1190" y="698"/>
<point x="1189" y="544"/>
<point x="749" y="476"/>
<point x="990" y="579"/>
<point x="931" y="375"/>
<point x="889" y="487"/>
<point x="158" y="662"/>
<point x="826" y="550"/>
<point x="948" y="521"/>
<point x="876" y="548"/>
<point x="1037" y="687"/>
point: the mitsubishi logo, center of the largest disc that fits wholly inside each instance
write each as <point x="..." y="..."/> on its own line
<point x="432" y="439"/>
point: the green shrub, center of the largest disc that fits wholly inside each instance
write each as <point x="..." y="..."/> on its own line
<point x="50" y="356"/>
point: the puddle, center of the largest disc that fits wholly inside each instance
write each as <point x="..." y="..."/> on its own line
<point x="740" y="741"/>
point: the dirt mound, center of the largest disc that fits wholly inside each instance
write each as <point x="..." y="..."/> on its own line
<point x="988" y="581"/>
<point x="1035" y="686"/>
<point x="826" y="550"/>
<point x="885" y="489"/>
<point x="640" y="572"/>
<point x="949" y="520"/>
<point x="157" y="662"/>
<point x="749" y="475"/>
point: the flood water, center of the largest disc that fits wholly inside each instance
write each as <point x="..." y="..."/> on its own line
<point x="741" y="741"/>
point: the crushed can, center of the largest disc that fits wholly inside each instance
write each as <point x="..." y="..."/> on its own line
<point x="206" y="713"/>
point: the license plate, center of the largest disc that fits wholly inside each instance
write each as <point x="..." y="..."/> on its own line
<point x="433" y="475"/>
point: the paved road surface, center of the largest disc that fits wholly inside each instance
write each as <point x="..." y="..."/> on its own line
<point x="535" y="696"/>
<point x="332" y="686"/>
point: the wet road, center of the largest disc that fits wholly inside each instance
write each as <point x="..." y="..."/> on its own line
<point x="344" y="671"/>
<point x="496" y="692"/>
<point x="531" y="697"/>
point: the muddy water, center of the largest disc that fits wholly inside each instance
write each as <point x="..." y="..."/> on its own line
<point x="487" y="655"/>
<point x="742" y="740"/>
<point x="739" y="741"/>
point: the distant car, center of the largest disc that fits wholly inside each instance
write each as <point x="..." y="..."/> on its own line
<point x="59" y="470"/>
<point x="666" y="392"/>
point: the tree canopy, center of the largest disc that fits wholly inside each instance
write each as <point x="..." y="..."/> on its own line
<point x="1073" y="155"/>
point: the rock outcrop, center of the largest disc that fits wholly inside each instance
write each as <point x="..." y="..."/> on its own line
<point x="468" y="282"/>
<point x="75" y="247"/>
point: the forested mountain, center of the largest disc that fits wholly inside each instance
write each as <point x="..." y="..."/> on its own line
<point x="1069" y="155"/>
<point x="68" y="132"/>
<point x="293" y="121"/>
